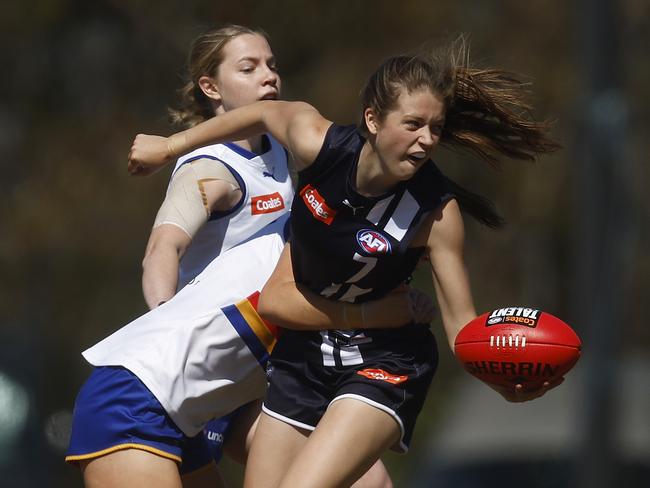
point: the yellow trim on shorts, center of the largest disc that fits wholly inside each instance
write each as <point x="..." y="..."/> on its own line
<point x="255" y="322"/>
<point x="120" y="447"/>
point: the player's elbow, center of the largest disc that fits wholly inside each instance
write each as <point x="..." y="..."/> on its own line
<point x="166" y="243"/>
<point x="269" y="306"/>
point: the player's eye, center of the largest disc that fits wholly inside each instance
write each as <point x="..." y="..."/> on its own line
<point x="412" y="124"/>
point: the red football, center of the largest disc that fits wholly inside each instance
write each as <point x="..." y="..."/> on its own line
<point x="517" y="345"/>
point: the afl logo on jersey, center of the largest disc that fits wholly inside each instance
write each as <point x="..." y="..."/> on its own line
<point x="264" y="204"/>
<point x="373" y="242"/>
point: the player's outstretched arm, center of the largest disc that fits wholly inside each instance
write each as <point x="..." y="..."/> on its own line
<point x="296" y="125"/>
<point x="290" y="305"/>
<point x="445" y="244"/>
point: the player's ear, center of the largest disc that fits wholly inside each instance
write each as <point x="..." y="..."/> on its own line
<point x="370" y="118"/>
<point x="209" y="87"/>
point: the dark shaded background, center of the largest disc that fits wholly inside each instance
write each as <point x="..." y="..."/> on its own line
<point x="81" y="78"/>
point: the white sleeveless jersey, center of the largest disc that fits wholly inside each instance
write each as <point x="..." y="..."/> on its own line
<point x="203" y="353"/>
<point x="267" y="193"/>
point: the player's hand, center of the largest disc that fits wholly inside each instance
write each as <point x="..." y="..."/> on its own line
<point x="149" y="154"/>
<point x="518" y="393"/>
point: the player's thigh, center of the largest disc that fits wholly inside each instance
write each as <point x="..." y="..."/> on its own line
<point x="239" y="435"/>
<point x="128" y="468"/>
<point x="206" y="477"/>
<point x="351" y="436"/>
<point x="376" y="477"/>
<point x="275" y="445"/>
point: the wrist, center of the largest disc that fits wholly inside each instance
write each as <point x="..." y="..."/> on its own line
<point x="176" y="145"/>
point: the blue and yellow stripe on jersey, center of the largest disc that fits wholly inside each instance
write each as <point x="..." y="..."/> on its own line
<point x="259" y="335"/>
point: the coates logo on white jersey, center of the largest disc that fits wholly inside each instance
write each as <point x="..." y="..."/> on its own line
<point x="317" y="205"/>
<point x="264" y="204"/>
<point x="373" y="242"/>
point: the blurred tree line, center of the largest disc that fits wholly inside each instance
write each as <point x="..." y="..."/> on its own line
<point x="82" y="78"/>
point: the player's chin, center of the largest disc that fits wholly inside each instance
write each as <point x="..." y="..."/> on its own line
<point x="407" y="169"/>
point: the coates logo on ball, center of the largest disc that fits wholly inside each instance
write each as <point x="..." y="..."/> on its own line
<point x="517" y="345"/>
<point x="264" y="204"/>
<point x="373" y="242"/>
<point x="513" y="315"/>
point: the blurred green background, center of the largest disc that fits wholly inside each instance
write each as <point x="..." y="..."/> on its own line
<point x="81" y="78"/>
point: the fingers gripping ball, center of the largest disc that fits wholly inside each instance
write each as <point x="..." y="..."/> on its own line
<point x="517" y="345"/>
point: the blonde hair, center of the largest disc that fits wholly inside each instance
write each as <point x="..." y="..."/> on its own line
<point x="204" y="59"/>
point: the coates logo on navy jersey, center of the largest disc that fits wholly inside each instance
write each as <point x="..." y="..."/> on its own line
<point x="373" y="242"/>
<point x="316" y="205"/>
<point x="264" y="204"/>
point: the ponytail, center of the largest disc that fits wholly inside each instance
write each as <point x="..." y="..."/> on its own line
<point x="476" y="206"/>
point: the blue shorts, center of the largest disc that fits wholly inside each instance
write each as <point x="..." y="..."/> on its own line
<point x="115" y="411"/>
<point x="215" y="433"/>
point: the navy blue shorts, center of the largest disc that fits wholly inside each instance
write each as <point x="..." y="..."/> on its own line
<point x="391" y="372"/>
<point x="114" y="410"/>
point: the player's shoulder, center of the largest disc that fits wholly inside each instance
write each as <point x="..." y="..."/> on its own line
<point x="340" y="146"/>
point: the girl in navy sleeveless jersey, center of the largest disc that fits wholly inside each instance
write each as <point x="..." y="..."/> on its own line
<point x="370" y="203"/>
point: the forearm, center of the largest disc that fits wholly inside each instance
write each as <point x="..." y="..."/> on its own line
<point x="296" y="125"/>
<point x="159" y="276"/>
<point x="294" y="307"/>
<point x="291" y="305"/>
<point x="450" y="277"/>
<point x="456" y="306"/>
<point x="273" y="117"/>
<point x="243" y="123"/>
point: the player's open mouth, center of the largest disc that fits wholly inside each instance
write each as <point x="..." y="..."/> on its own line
<point x="270" y="96"/>
<point x="417" y="157"/>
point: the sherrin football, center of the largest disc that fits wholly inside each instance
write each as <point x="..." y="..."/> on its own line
<point x="517" y="345"/>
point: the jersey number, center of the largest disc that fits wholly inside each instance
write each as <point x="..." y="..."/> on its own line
<point x="353" y="290"/>
<point x="350" y="355"/>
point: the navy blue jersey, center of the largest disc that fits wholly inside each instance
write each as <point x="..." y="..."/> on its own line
<point x="349" y="247"/>
<point x="352" y="248"/>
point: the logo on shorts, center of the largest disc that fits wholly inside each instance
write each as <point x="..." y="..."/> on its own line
<point x="373" y="242"/>
<point x="380" y="374"/>
<point x="316" y="205"/>
<point x="264" y="204"/>
<point x="212" y="436"/>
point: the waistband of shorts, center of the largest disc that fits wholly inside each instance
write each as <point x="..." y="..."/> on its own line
<point x="357" y="336"/>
